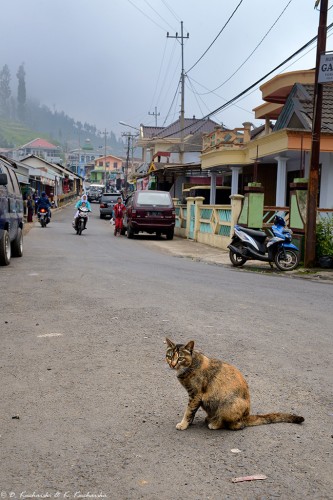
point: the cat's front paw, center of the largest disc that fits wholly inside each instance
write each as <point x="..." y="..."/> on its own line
<point x="182" y="426"/>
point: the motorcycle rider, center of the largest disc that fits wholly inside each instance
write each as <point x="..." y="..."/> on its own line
<point x="118" y="215"/>
<point x="44" y="202"/>
<point x="83" y="202"/>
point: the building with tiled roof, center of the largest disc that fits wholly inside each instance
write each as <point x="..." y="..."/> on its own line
<point x="165" y="139"/>
<point x="280" y="153"/>
<point x="41" y="148"/>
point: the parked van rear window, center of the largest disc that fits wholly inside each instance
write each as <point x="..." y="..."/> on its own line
<point x="151" y="198"/>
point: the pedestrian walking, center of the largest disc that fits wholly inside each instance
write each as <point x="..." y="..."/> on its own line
<point x="30" y="208"/>
<point x="118" y="215"/>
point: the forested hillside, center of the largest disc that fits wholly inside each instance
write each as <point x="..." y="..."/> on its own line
<point x="23" y="118"/>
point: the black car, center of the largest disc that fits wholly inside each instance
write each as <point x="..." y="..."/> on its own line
<point x="107" y="202"/>
<point x="11" y="214"/>
<point x="94" y="194"/>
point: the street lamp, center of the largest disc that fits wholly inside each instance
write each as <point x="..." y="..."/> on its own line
<point x="130" y="126"/>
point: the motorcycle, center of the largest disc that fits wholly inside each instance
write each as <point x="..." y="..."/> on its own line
<point x="252" y="244"/>
<point x="81" y="220"/>
<point x="43" y="216"/>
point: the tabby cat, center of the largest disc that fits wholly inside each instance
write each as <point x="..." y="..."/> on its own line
<point x="219" y="388"/>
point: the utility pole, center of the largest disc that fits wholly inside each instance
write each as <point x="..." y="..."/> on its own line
<point x="130" y="137"/>
<point x="182" y="106"/>
<point x="154" y="114"/>
<point x="105" y="134"/>
<point x="312" y="202"/>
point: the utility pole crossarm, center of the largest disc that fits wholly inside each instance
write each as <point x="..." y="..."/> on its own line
<point x="154" y="114"/>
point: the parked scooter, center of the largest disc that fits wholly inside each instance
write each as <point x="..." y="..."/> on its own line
<point x="43" y="216"/>
<point x="81" y="220"/>
<point x="252" y="244"/>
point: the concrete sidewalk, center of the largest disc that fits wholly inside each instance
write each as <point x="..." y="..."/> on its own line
<point x="181" y="247"/>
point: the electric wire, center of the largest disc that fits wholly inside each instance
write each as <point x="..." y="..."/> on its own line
<point x="217" y="95"/>
<point x="159" y="74"/>
<point x="171" y="11"/>
<point x="174" y="97"/>
<point x="146" y="15"/>
<point x="241" y="94"/>
<point x="196" y="95"/>
<point x="166" y="72"/>
<point x="172" y="79"/>
<point x="159" y="15"/>
<point x="241" y="1"/>
<point x="253" y="51"/>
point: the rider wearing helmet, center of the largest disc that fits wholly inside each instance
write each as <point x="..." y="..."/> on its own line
<point x="44" y="202"/>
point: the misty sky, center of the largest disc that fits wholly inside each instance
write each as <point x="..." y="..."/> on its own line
<point x="105" y="61"/>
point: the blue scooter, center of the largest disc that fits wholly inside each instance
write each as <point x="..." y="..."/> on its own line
<point x="252" y="244"/>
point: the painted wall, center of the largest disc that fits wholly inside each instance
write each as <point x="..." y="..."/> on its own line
<point x="326" y="186"/>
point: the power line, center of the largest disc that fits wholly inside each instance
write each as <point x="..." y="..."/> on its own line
<point x="146" y="15"/>
<point x="159" y="74"/>
<point x="241" y="1"/>
<point x="196" y="95"/>
<point x="258" y="81"/>
<point x="159" y="15"/>
<point x="170" y="10"/>
<point x="253" y="51"/>
<point x="166" y="72"/>
<point x="174" y="97"/>
<point x="217" y="95"/>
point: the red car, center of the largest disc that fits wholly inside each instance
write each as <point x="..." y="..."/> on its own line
<point x="150" y="212"/>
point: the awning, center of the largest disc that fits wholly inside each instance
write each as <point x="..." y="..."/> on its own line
<point x="23" y="179"/>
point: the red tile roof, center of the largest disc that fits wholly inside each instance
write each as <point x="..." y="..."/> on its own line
<point x="39" y="144"/>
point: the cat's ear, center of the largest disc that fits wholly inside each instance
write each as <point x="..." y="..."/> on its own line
<point x="190" y="346"/>
<point x="170" y="344"/>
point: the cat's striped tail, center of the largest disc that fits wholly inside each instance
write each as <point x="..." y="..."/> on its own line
<point x="272" y="418"/>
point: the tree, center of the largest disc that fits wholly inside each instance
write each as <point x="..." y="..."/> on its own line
<point x="21" y="92"/>
<point x="5" y="90"/>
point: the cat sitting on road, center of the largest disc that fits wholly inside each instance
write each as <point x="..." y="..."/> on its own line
<point x="217" y="387"/>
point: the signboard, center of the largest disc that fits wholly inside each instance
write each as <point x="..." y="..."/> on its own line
<point x="325" y="74"/>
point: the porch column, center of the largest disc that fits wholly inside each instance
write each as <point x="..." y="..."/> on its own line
<point x="235" y="171"/>
<point x="281" y="181"/>
<point x="212" y="199"/>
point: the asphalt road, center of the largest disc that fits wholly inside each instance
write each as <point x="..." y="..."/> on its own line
<point x="82" y="328"/>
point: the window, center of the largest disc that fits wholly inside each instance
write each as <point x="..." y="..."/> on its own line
<point x="115" y="165"/>
<point x="150" y="198"/>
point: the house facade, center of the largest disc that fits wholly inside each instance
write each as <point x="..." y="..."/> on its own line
<point x="275" y="155"/>
<point x="40" y="148"/>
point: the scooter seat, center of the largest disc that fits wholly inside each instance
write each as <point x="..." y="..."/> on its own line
<point x="255" y="233"/>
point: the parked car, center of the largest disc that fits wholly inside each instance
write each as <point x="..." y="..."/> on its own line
<point x="150" y="212"/>
<point x="107" y="201"/>
<point x="11" y="214"/>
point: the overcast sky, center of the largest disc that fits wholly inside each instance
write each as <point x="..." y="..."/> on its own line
<point x="105" y="61"/>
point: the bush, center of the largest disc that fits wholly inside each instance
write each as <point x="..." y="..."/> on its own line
<point x="324" y="237"/>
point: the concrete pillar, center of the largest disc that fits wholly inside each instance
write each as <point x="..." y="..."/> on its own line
<point x="212" y="199"/>
<point x="236" y="208"/>
<point x="198" y="203"/>
<point x="281" y="181"/>
<point x="235" y="171"/>
<point x="189" y="202"/>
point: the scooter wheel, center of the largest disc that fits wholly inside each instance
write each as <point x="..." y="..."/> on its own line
<point x="286" y="259"/>
<point x="236" y="260"/>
